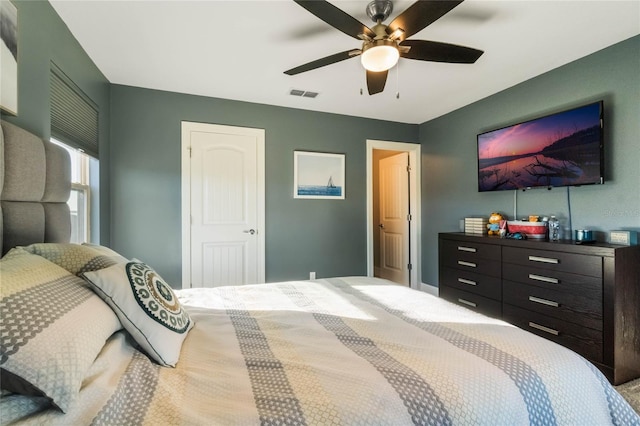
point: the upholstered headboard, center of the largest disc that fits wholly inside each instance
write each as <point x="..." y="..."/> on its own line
<point x="35" y="184"/>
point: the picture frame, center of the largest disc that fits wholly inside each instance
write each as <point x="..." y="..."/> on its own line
<point x="318" y="175"/>
<point x="9" y="57"/>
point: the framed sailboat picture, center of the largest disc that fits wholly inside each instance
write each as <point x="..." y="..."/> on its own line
<point x="318" y="175"/>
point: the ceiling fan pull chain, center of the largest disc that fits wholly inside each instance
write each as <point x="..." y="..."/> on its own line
<point x="398" y="81"/>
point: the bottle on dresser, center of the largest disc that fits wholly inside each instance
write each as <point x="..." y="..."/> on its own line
<point x="554" y="229"/>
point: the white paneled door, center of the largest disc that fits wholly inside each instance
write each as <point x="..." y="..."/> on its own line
<point x="223" y="205"/>
<point x="394" y="218"/>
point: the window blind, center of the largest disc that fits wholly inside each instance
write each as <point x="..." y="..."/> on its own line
<point x="74" y="116"/>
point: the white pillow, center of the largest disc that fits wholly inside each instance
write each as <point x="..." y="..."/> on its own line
<point x="52" y="328"/>
<point x="147" y="307"/>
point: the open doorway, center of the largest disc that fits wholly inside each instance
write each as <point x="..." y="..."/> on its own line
<point x="393" y="220"/>
<point x="391" y="207"/>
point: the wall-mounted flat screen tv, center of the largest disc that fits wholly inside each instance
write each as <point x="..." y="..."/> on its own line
<point x="562" y="149"/>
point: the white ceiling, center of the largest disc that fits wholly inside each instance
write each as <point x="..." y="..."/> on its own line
<point x="239" y="50"/>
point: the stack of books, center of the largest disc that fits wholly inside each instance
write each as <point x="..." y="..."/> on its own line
<point x="475" y="225"/>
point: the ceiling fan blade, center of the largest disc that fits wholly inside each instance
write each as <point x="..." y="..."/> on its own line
<point x="376" y="81"/>
<point x="420" y="14"/>
<point x="332" y="59"/>
<point x="436" y="51"/>
<point x="336" y="17"/>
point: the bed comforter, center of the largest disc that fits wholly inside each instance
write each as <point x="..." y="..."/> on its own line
<point x="348" y="350"/>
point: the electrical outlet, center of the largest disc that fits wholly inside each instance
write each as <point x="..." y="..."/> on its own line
<point x="312" y="275"/>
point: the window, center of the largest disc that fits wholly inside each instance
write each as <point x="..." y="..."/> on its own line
<point x="75" y="126"/>
<point x="74" y="116"/>
<point x="79" y="201"/>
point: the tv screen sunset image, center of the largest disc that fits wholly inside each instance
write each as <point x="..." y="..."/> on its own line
<point x="562" y="149"/>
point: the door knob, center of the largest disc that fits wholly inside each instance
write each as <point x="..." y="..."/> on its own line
<point x="249" y="231"/>
<point x="381" y="226"/>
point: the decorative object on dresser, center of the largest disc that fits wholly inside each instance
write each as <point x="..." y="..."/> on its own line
<point x="534" y="230"/>
<point x="584" y="297"/>
<point x="495" y="220"/>
<point x="475" y="225"/>
<point x="627" y="238"/>
<point x="584" y="236"/>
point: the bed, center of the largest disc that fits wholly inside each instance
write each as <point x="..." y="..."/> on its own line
<point x="76" y="349"/>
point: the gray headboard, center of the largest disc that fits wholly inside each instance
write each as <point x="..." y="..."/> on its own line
<point x="35" y="184"/>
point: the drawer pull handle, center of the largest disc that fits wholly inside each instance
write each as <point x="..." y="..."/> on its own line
<point x="544" y="301"/>
<point x="544" y="279"/>
<point x="543" y="259"/>
<point x="543" y="328"/>
<point x="468" y="249"/>
<point x="465" y="281"/>
<point x="466" y="302"/>
<point x="469" y="264"/>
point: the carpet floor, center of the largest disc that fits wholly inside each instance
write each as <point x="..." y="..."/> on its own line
<point x="631" y="392"/>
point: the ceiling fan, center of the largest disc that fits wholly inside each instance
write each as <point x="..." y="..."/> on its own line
<point x="383" y="45"/>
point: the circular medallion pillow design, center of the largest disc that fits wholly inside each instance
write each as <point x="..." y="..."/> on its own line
<point x="156" y="298"/>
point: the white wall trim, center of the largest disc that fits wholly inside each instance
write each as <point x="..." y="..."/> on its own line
<point x="429" y="289"/>
<point x="185" y="203"/>
<point x="415" y="193"/>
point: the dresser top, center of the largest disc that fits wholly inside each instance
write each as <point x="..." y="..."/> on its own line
<point x="569" y="246"/>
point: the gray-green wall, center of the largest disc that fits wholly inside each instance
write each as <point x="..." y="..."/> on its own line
<point x="325" y="236"/>
<point x="42" y="38"/>
<point x="449" y="169"/>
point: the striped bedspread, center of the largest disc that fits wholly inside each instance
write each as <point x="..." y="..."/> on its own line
<point x="343" y="351"/>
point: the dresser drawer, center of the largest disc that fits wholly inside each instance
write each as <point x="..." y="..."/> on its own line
<point x="554" y="261"/>
<point x="472" y="301"/>
<point x="585" y="341"/>
<point x="473" y="282"/>
<point x="478" y="266"/>
<point x="554" y="280"/>
<point x="470" y="250"/>
<point x="574" y="307"/>
<point x="458" y="257"/>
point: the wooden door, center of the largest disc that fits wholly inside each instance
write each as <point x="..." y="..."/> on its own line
<point x="394" y="218"/>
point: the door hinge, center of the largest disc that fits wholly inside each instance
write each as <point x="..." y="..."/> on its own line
<point x="408" y="169"/>
<point x="409" y="217"/>
<point x="409" y="266"/>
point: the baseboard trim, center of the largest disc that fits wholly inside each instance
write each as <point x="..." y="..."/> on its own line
<point x="429" y="289"/>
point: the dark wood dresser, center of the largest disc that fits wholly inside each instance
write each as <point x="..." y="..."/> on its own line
<point x="585" y="297"/>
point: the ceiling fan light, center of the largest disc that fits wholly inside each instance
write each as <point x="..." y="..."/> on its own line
<point x="380" y="57"/>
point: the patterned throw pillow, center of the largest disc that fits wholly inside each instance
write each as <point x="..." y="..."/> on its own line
<point x="147" y="307"/>
<point x="76" y="258"/>
<point x="53" y="327"/>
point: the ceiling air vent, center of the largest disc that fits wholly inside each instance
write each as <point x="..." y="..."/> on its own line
<point x="303" y="93"/>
